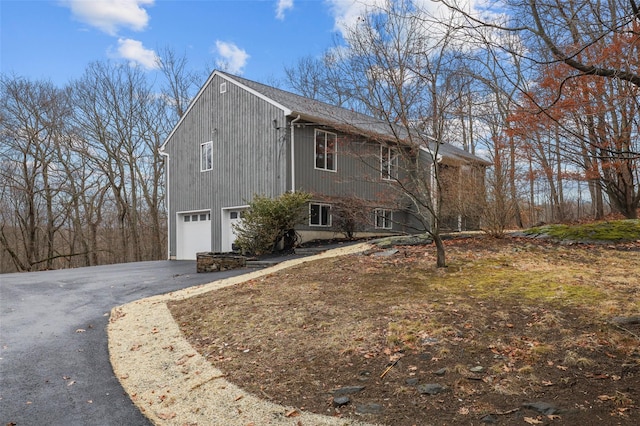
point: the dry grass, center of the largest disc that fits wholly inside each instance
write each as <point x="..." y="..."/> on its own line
<point x="534" y="315"/>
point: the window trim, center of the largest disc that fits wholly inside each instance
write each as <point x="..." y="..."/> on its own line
<point x="329" y="216"/>
<point x="315" y="150"/>
<point x="388" y="161"/>
<point x="387" y="221"/>
<point x="203" y="152"/>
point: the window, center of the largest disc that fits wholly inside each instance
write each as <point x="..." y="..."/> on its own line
<point x="187" y="218"/>
<point x="326" y="155"/>
<point x="206" y="156"/>
<point x="388" y="162"/>
<point x="319" y="214"/>
<point x="384" y="219"/>
<point x="223" y="87"/>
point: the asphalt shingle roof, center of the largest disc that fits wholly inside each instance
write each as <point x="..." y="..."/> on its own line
<point x="345" y="119"/>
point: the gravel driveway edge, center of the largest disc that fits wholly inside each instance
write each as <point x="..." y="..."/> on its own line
<point x="172" y="384"/>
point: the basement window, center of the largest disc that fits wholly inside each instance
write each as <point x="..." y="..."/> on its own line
<point x="319" y="214"/>
<point x="384" y="219"/>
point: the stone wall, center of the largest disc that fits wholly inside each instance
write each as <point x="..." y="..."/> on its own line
<point x="213" y="262"/>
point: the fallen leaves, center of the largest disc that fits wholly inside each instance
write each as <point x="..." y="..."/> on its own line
<point x="184" y="358"/>
<point x="292" y="413"/>
<point x="520" y="331"/>
<point x="116" y="314"/>
<point x="167" y="416"/>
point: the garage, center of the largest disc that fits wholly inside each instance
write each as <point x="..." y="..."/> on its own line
<point x="193" y="234"/>
<point x="230" y="217"/>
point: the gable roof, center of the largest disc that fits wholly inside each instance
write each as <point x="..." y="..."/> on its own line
<point x="315" y="111"/>
<point x="318" y="112"/>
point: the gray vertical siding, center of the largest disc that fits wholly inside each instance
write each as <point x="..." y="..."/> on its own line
<point x="357" y="172"/>
<point x="249" y="154"/>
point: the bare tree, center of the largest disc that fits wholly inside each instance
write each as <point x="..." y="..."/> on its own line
<point x="180" y="83"/>
<point x="33" y="126"/>
<point x="581" y="44"/>
<point x="122" y="123"/>
<point x="399" y="63"/>
<point x="322" y="79"/>
<point x="568" y="30"/>
<point x="80" y="172"/>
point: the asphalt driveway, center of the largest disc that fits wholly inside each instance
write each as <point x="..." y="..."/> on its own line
<point x="54" y="362"/>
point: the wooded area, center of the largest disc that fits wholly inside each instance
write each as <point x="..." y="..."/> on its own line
<point x="547" y="90"/>
<point x="81" y="177"/>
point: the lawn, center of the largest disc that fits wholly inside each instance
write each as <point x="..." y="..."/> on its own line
<point x="513" y="331"/>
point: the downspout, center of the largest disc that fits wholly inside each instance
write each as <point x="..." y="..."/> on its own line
<point x="166" y="200"/>
<point x="293" y="154"/>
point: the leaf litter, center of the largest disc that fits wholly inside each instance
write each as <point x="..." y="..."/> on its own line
<point x="535" y="316"/>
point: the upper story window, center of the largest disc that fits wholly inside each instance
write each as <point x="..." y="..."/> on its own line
<point x="383" y="219"/>
<point x="326" y="150"/>
<point x="206" y="156"/>
<point x="388" y="162"/>
<point x="319" y="214"/>
<point x="223" y="87"/>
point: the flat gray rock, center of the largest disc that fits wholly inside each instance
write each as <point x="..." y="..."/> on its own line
<point x="542" y="407"/>
<point x="431" y="389"/>
<point x="370" y="408"/>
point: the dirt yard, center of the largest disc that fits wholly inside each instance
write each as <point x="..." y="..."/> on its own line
<point x="513" y="331"/>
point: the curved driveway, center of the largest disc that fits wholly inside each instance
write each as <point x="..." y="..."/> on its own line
<point x="54" y="361"/>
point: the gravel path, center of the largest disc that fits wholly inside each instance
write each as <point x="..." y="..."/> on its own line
<point x="174" y="385"/>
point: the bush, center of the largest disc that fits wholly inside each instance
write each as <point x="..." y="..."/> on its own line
<point x="270" y="221"/>
<point x="349" y="215"/>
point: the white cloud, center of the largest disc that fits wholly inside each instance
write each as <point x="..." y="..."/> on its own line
<point x="136" y="54"/>
<point x="231" y="58"/>
<point x="347" y="13"/>
<point x="110" y="15"/>
<point x="283" y="5"/>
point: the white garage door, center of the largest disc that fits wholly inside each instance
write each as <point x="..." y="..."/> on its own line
<point x="194" y="234"/>
<point x="230" y="216"/>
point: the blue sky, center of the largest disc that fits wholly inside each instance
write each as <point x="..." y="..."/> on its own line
<point x="56" y="39"/>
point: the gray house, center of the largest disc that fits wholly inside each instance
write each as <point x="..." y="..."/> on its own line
<point x="240" y="138"/>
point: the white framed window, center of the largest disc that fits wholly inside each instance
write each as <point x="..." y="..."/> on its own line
<point x="388" y="162"/>
<point x="206" y="156"/>
<point x="319" y="214"/>
<point x="223" y="87"/>
<point x="383" y="219"/>
<point x="326" y="154"/>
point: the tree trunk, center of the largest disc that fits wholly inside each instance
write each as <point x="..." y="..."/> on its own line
<point x="440" y="250"/>
<point x="512" y="183"/>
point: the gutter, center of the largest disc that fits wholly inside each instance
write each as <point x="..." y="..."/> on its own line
<point x="293" y="152"/>
<point x="166" y="200"/>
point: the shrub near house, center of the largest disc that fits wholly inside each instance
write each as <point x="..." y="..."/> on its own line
<point x="269" y="223"/>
